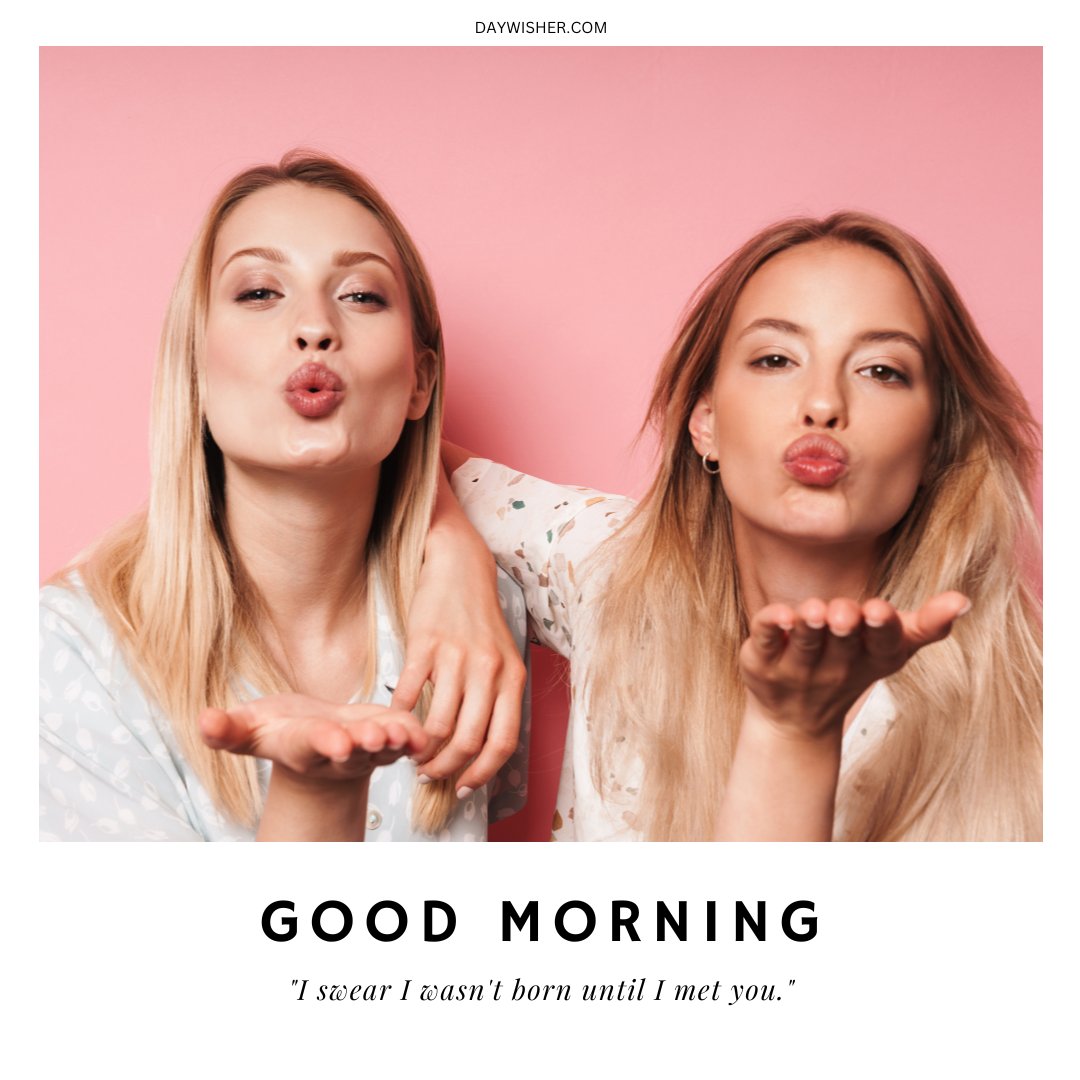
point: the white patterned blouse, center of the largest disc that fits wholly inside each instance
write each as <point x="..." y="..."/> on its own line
<point x="542" y="534"/>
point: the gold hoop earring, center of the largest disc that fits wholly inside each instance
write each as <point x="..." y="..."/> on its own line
<point x="705" y="463"/>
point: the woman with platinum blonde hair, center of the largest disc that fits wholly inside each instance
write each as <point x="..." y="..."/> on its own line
<point x="818" y="623"/>
<point x="252" y="613"/>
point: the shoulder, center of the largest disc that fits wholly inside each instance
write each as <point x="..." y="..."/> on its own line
<point x="89" y="700"/>
<point x="72" y="628"/>
<point x="66" y="598"/>
<point x="499" y="499"/>
<point x="541" y="534"/>
<point x="109" y="764"/>
<point x="483" y="476"/>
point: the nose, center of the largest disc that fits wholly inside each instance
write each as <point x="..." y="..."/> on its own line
<point x="824" y="405"/>
<point x="315" y="329"/>
<point x="317" y="343"/>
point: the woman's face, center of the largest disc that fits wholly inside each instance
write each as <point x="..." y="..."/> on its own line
<point x="822" y="411"/>
<point x="309" y="359"/>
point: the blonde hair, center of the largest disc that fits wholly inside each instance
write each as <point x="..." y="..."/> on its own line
<point x="167" y="580"/>
<point x="963" y="759"/>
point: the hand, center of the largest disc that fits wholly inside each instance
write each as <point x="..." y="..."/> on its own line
<point x="312" y="739"/>
<point x="458" y="639"/>
<point x="805" y="667"/>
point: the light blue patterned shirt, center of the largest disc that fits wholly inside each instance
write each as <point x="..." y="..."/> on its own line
<point x="111" y="768"/>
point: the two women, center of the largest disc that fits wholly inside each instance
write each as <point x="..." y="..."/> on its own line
<point x="813" y="626"/>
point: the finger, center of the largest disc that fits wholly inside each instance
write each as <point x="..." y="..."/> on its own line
<point x="381" y="735"/>
<point x="397" y="742"/>
<point x="322" y="739"/>
<point x="416" y="738"/>
<point x="769" y="629"/>
<point x="883" y="632"/>
<point x="843" y="618"/>
<point x="396" y="735"/>
<point x="223" y="730"/>
<point x="934" y="620"/>
<point x="404" y="733"/>
<point x="469" y="736"/>
<point x="369" y="736"/>
<point x="416" y="671"/>
<point x="403" y="727"/>
<point x="446" y="703"/>
<point x="807" y="637"/>
<point x="501" y="742"/>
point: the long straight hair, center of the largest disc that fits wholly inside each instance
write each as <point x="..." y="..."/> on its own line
<point x="167" y="580"/>
<point x="963" y="759"/>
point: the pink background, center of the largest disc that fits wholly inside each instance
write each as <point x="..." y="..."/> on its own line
<point x="567" y="202"/>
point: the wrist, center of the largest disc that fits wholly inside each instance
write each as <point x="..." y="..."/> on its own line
<point x="300" y="807"/>
<point x="797" y="730"/>
<point x="782" y="783"/>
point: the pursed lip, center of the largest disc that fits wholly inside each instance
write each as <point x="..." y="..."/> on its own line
<point x="816" y="460"/>
<point x="314" y="390"/>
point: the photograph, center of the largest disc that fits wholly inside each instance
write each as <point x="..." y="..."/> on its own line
<point x="812" y="610"/>
<point x="516" y="434"/>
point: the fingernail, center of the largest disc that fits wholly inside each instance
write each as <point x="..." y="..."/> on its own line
<point x="421" y="778"/>
<point x="840" y="631"/>
<point x="464" y="792"/>
<point x="815" y="625"/>
<point x="964" y="610"/>
<point x="874" y="622"/>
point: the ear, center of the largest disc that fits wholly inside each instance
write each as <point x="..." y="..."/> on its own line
<point x="426" y="372"/>
<point x="701" y="426"/>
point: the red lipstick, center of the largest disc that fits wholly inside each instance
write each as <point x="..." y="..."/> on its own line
<point x="313" y="390"/>
<point x="816" y="461"/>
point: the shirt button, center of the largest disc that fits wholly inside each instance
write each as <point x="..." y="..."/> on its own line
<point x="374" y="818"/>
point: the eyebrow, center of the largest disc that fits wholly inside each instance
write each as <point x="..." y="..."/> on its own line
<point x="341" y="258"/>
<point x="870" y="337"/>
<point x="268" y="254"/>
<point x="353" y="258"/>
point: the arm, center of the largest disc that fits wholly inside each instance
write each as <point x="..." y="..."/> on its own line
<point x="804" y="669"/>
<point x="537" y="532"/>
<point x="458" y="639"/>
<point x="540" y="533"/>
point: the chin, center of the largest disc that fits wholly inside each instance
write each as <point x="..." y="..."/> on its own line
<point x="318" y="453"/>
<point x="320" y="464"/>
<point x="820" y="531"/>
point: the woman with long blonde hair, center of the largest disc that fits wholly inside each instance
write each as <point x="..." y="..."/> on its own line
<point x="252" y="613"/>
<point x="819" y="622"/>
